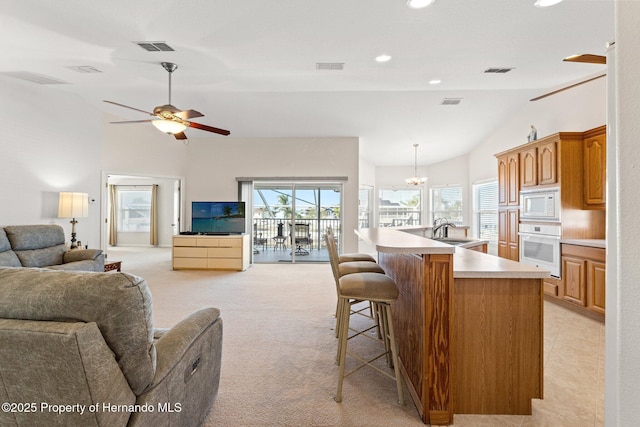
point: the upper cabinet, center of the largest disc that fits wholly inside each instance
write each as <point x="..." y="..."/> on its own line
<point x="508" y="180"/>
<point x="529" y="167"/>
<point x="548" y="163"/>
<point x="595" y="173"/>
<point x="538" y="164"/>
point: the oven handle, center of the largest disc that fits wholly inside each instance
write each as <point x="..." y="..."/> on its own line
<point x="544" y="236"/>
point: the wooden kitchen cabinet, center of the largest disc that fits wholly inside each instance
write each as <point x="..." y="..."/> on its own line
<point x="529" y="167"/>
<point x="547" y="163"/>
<point x="596" y="285"/>
<point x="595" y="172"/>
<point x="508" y="242"/>
<point x="539" y="164"/>
<point x="508" y="180"/>
<point x="584" y="276"/>
<point x="574" y="287"/>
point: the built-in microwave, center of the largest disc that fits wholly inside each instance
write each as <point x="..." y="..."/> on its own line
<point x="540" y="205"/>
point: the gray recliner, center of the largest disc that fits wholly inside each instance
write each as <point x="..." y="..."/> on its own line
<point x="43" y="245"/>
<point x="87" y="340"/>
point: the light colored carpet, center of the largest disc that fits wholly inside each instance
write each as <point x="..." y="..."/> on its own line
<point x="278" y="358"/>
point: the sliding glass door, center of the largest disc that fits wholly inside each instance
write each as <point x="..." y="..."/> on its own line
<point x="290" y="220"/>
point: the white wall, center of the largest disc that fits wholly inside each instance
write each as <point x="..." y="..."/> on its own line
<point x="210" y="165"/>
<point x="622" y="363"/>
<point x="50" y="143"/>
<point x="574" y="110"/>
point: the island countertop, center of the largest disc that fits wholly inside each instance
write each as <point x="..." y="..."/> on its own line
<point x="466" y="263"/>
<point x="386" y="239"/>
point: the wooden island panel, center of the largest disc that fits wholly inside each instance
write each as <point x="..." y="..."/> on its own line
<point x="498" y="345"/>
<point x="422" y="319"/>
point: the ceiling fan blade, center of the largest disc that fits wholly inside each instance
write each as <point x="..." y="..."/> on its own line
<point x="126" y="106"/>
<point x="180" y="135"/>
<point x="130" y="121"/>
<point x="188" y="114"/>
<point x="568" y="87"/>
<point x="587" y="58"/>
<point x="208" y="128"/>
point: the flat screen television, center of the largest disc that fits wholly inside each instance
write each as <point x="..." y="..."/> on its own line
<point x="217" y="217"/>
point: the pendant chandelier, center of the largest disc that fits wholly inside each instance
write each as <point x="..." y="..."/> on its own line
<point x="415" y="180"/>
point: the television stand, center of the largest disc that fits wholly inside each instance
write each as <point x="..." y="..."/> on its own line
<point x="211" y="252"/>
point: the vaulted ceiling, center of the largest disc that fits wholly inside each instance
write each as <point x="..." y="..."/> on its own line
<point x="252" y="66"/>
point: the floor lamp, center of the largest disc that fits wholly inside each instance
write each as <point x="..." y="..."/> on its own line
<point x="73" y="205"/>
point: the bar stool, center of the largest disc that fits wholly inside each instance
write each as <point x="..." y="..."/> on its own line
<point x="340" y="269"/>
<point x="350" y="256"/>
<point x="381" y="291"/>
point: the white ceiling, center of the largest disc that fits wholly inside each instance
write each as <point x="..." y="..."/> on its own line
<point x="250" y="66"/>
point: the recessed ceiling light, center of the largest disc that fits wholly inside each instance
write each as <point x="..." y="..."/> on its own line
<point x="419" y="4"/>
<point x="435" y="82"/>
<point x="546" y="3"/>
<point x="383" y="58"/>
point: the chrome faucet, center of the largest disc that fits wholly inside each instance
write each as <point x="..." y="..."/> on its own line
<point x="440" y="228"/>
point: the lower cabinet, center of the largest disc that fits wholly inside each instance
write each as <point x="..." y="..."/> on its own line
<point x="508" y="244"/>
<point x="584" y="276"/>
<point x="211" y="252"/>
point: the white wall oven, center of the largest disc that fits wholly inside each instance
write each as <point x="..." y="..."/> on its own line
<point x="540" y="205"/>
<point x="540" y="246"/>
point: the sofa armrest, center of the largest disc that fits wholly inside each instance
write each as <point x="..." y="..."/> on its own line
<point x="81" y="255"/>
<point x="173" y="344"/>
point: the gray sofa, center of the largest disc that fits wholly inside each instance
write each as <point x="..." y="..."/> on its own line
<point x="87" y="340"/>
<point x="44" y="246"/>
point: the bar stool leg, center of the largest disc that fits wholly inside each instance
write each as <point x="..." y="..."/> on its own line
<point x="343" y="336"/>
<point x="394" y="354"/>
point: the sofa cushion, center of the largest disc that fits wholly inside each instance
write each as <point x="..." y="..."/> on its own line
<point x="26" y="237"/>
<point x="119" y="303"/>
<point x="8" y="258"/>
<point x="37" y="245"/>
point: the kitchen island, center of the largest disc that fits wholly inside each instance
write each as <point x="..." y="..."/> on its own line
<point x="469" y="326"/>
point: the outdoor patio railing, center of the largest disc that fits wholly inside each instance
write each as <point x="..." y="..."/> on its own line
<point x="268" y="228"/>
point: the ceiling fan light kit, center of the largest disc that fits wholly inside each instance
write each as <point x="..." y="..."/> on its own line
<point x="169" y="126"/>
<point x="419" y="4"/>
<point x="170" y="119"/>
<point x="546" y="3"/>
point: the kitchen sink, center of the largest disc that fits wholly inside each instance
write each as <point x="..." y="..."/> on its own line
<point x="455" y="241"/>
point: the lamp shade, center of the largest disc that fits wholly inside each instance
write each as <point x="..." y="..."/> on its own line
<point x="73" y="205"/>
<point x="169" y="126"/>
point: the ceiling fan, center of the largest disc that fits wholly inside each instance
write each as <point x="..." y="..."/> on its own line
<point x="168" y="118"/>
<point x="584" y="58"/>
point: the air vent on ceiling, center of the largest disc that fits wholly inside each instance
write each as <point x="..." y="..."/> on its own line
<point x="451" y="101"/>
<point x="84" y="69"/>
<point x="40" y="79"/>
<point x="155" y="46"/>
<point x="497" y="70"/>
<point x="330" y="66"/>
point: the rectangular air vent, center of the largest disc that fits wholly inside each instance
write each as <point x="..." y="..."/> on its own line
<point x="497" y="70"/>
<point x="451" y="101"/>
<point x="155" y="46"/>
<point x="40" y="79"/>
<point x="84" y="69"/>
<point x="330" y="66"/>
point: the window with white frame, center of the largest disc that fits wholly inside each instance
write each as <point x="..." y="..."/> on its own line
<point x="485" y="210"/>
<point x="446" y="202"/>
<point x="365" y="195"/>
<point x="399" y="207"/>
<point x="134" y="209"/>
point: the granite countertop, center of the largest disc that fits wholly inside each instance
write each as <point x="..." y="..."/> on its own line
<point x="594" y="243"/>
<point x="466" y="263"/>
